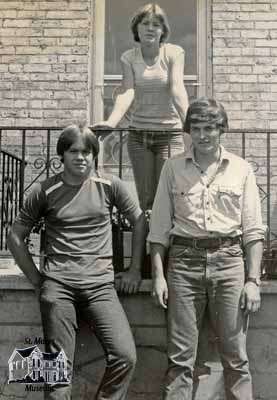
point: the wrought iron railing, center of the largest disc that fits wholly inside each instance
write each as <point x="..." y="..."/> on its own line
<point x="12" y="169"/>
<point x="33" y="150"/>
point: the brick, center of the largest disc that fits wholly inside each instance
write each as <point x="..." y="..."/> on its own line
<point x="72" y="77"/>
<point x="10" y="5"/>
<point x="67" y="15"/>
<point x="75" y="23"/>
<point x="232" y="69"/>
<point x="57" y="32"/>
<point x="80" y="68"/>
<point x="226" y="7"/>
<point x="80" y="50"/>
<point x="43" y="59"/>
<point x="37" y="68"/>
<point x="80" y="33"/>
<point x="255" y="52"/>
<point x="43" y="77"/>
<point x="266" y="43"/>
<point x="247" y="105"/>
<point x="6" y="103"/>
<point x="14" y="59"/>
<point x="28" y="32"/>
<point x="35" y="104"/>
<point x="226" y="51"/>
<point x="255" y="7"/>
<point x="225" y="16"/>
<point x="67" y="41"/>
<point x="76" y="59"/>
<point x="43" y="41"/>
<point x="55" y="5"/>
<point x="273" y="52"/>
<point x="28" y="50"/>
<point x="50" y="104"/>
<point x="252" y="87"/>
<point x="264" y="69"/>
<point x="268" y="78"/>
<point x="45" y="23"/>
<point x="64" y="95"/>
<point x="71" y="104"/>
<point x="17" y="23"/>
<point x="4" y="68"/>
<point x="260" y="34"/>
<point x="58" y="68"/>
<point x="6" y="41"/>
<point x="7" y="50"/>
<point x="7" y="14"/>
<point x="222" y="33"/>
<point x="265" y="25"/>
<point x="243" y="78"/>
<point x="218" y="24"/>
<point x="20" y="103"/>
<point x="33" y="14"/>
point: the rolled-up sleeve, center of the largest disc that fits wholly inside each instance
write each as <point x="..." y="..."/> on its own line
<point x="163" y="209"/>
<point x="252" y="225"/>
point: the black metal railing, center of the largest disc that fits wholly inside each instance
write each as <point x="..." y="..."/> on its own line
<point x="11" y="192"/>
<point x="34" y="149"/>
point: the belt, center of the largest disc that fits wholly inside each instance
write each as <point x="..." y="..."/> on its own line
<point x="205" y="243"/>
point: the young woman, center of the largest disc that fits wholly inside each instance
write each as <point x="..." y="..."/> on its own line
<point x="155" y="98"/>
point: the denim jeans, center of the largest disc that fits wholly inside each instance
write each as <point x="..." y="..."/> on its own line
<point x="148" y="152"/>
<point x="100" y="307"/>
<point x="212" y="279"/>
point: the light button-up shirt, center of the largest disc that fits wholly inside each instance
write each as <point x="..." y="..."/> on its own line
<point x="189" y="203"/>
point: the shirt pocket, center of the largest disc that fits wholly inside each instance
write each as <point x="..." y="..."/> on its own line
<point x="186" y="202"/>
<point x="229" y="199"/>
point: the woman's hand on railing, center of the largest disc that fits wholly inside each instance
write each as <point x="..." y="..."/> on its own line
<point x="102" y="129"/>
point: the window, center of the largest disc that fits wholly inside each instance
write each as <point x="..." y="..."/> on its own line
<point x="190" y="28"/>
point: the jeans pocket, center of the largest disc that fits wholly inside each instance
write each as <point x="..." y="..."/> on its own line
<point x="180" y="251"/>
<point x="232" y="251"/>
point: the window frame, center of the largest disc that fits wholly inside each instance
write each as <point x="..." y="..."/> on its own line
<point x="203" y="78"/>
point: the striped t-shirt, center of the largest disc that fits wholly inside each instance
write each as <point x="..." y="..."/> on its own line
<point x="78" y="226"/>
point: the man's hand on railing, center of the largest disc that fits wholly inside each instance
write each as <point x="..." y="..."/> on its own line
<point x="102" y="129"/>
<point x="128" y="281"/>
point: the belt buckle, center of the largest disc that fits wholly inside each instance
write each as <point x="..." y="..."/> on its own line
<point x="195" y="244"/>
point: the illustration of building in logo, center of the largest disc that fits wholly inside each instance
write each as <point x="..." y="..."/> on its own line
<point x="30" y="365"/>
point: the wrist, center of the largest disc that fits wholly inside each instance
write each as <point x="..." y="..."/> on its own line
<point x="111" y="122"/>
<point x="254" y="280"/>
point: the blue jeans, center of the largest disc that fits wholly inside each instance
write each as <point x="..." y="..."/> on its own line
<point x="212" y="279"/>
<point x="148" y="152"/>
<point x="100" y="307"/>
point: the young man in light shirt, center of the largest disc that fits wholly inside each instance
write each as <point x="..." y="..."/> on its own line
<point x="207" y="213"/>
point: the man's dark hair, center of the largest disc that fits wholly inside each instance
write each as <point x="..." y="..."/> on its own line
<point x="69" y="136"/>
<point x="151" y="10"/>
<point x="208" y="110"/>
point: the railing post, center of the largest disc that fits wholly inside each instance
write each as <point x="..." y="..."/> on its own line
<point x="268" y="170"/>
<point x="48" y="154"/>
<point x="243" y="144"/>
<point x="2" y="202"/>
<point x="22" y="168"/>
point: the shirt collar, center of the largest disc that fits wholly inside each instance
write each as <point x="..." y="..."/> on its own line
<point x="225" y="156"/>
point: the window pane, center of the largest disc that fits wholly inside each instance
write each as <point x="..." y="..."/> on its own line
<point x="182" y="20"/>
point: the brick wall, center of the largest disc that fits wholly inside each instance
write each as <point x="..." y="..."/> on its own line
<point x="244" y="61"/>
<point x="44" y="48"/>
